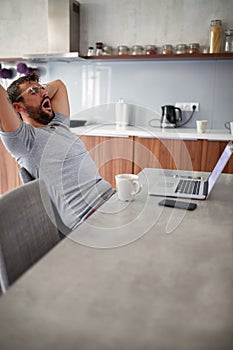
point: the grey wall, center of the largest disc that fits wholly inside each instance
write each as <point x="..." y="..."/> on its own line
<point x="95" y="87"/>
<point x="156" y="22"/>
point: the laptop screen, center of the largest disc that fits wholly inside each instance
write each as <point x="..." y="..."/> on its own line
<point x="220" y="166"/>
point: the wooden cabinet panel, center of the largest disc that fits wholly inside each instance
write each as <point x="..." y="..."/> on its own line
<point x="9" y="177"/>
<point x="167" y="154"/>
<point x="112" y="155"/>
<point x="211" y="152"/>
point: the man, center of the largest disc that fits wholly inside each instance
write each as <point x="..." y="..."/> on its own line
<point x="35" y="130"/>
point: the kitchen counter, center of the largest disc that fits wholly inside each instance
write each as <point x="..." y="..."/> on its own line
<point x="150" y="132"/>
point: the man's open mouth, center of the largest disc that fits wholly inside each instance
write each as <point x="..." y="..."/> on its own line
<point x="46" y="104"/>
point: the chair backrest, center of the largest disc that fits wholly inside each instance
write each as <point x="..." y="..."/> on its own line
<point x="26" y="177"/>
<point x="27" y="229"/>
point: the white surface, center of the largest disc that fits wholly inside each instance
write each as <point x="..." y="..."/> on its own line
<point x="140" y="131"/>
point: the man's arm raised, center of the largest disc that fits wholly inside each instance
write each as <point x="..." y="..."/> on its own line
<point x="9" y="119"/>
<point x="59" y="98"/>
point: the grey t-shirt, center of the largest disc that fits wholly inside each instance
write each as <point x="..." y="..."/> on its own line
<point x="56" y="155"/>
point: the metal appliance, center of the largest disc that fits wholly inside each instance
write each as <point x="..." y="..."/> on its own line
<point x="171" y="116"/>
<point x="63" y="26"/>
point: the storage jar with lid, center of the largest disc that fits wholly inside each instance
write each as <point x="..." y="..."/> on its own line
<point x="122" y="50"/>
<point x="137" y="50"/>
<point x="107" y="50"/>
<point x="151" y="49"/>
<point x="193" y="48"/>
<point x="181" y="48"/>
<point x="215" y="35"/>
<point x="167" y="49"/>
<point x="99" y="49"/>
<point x="90" y="51"/>
<point x="229" y="40"/>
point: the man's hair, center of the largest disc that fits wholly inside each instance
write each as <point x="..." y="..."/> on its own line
<point x="14" y="88"/>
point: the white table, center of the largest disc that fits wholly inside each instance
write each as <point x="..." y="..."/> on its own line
<point x="171" y="288"/>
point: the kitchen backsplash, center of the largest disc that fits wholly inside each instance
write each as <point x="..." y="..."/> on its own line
<point x="94" y="88"/>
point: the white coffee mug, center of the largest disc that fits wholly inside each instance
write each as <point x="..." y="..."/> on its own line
<point x="127" y="186"/>
<point x="201" y="126"/>
<point x="229" y="126"/>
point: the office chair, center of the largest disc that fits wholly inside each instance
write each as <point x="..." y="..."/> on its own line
<point x="27" y="230"/>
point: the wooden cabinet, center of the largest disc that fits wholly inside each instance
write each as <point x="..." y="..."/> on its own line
<point x="112" y="155"/>
<point x="9" y="177"/>
<point x="211" y="152"/>
<point x="167" y="154"/>
<point x="197" y="155"/>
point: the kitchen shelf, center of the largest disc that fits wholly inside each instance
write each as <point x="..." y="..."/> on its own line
<point x="161" y="57"/>
<point x="69" y="57"/>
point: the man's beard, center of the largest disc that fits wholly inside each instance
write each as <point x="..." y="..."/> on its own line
<point x="40" y="116"/>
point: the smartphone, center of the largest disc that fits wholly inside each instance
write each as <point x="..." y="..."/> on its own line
<point x="172" y="203"/>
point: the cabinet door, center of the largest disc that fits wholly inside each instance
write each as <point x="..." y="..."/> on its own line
<point x="9" y="177"/>
<point x="211" y="152"/>
<point x="167" y="154"/>
<point x="112" y="155"/>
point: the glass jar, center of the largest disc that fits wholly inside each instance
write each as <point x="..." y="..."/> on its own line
<point x="229" y="40"/>
<point x="90" y="51"/>
<point x="193" y="48"/>
<point x="107" y="50"/>
<point x="181" y="49"/>
<point x="215" y="36"/>
<point x="99" y="49"/>
<point x="151" y="49"/>
<point x="122" y="50"/>
<point x="167" y="49"/>
<point x="137" y="50"/>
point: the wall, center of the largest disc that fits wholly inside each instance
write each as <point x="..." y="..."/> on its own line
<point x="23" y="27"/>
<point x="146" y="86"/>
<point x="143" y="22"/>
<point x="24" y="23"/>
<point x="94" y="88"/>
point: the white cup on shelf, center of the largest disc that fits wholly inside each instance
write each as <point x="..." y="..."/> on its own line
<point x="201" y="126"/>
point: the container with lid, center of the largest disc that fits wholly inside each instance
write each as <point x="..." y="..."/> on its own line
<point x="215" y="35"/>
<point x="99" y="49"/>
<point x="193" y="48"/>
<point x="90" y="51"/>
<point x="181" y="49"/>
<point x="122" y="50"/>
<point x="167" y="49"/>
<point x="137" y="50"/>
<point x="229" y="40"/>
<point x="107" y="50"/>
<point x="151" y="50"/>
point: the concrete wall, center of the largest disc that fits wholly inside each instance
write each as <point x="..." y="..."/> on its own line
<point x="158" y="22"/>
<point x="24" y="23"/>
<point x="146" y="86"/>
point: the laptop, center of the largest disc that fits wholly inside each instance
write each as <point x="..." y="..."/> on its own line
<point x="191" y="187"/>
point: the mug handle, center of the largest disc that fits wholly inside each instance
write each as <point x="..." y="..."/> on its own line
<point x="227" y="125"/>
<point x="137" y="187"/>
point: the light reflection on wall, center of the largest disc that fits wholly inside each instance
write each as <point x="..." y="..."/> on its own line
<point x="96" y="85"/>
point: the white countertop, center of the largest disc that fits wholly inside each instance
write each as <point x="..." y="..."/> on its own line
<point x="146" y="131"/>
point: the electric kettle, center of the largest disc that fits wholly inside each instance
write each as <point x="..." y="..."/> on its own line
<point x="171" y="115"/>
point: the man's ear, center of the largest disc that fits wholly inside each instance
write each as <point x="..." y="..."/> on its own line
<point x="18" y="107"/>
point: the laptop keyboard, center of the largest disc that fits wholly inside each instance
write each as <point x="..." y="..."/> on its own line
<point x="188" y="186"/>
